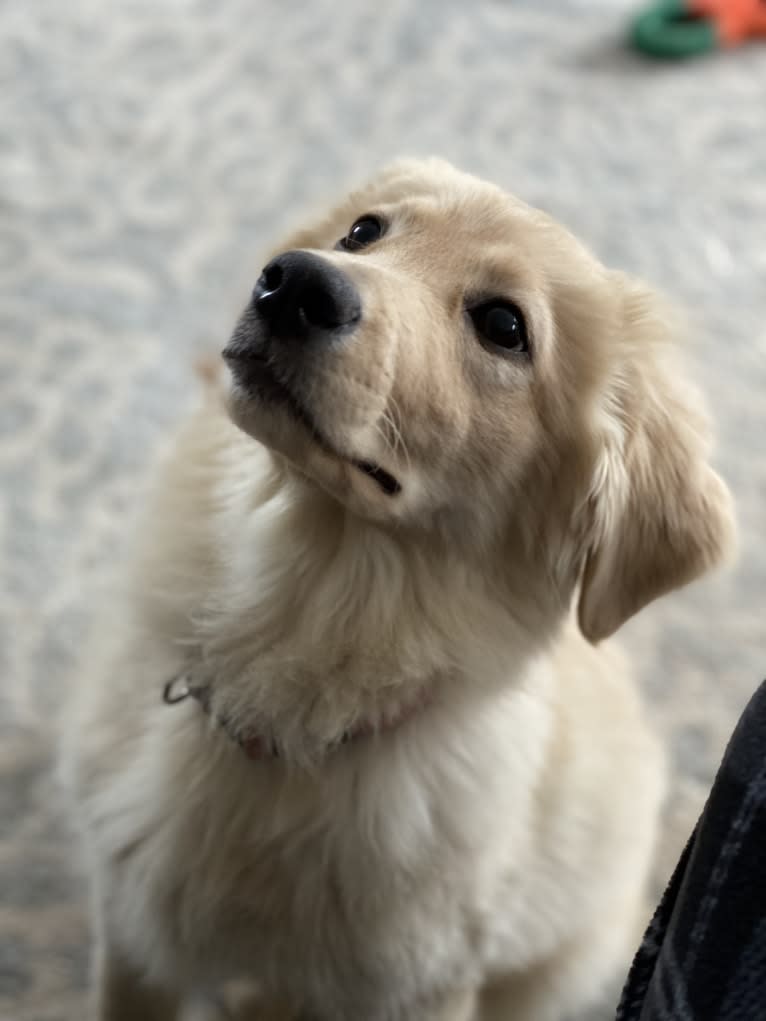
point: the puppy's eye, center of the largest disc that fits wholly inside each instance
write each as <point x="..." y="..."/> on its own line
<point x="366" y="231"/>
<point x="500" y="325"/>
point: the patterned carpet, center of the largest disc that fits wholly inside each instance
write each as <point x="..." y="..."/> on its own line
<point x="149" y="150"/>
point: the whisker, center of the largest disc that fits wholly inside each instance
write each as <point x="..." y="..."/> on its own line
<point x="384" y="435"/>
<point x="397" y="428"/>
<point x="394" y="439"/>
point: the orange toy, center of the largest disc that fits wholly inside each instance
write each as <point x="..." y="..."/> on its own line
<point x="735" y="20"/>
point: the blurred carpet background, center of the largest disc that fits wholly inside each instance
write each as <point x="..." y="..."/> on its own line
<point x="148" y="153"/>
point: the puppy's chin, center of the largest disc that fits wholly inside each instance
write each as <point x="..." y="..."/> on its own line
<point x="361" y="486"/>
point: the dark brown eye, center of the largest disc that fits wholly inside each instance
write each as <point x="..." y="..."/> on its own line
<point x="366" y="231"/>
<point x="500" y="326"/>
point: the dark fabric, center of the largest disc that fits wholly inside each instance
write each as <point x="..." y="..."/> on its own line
<point x="703" y="957"/>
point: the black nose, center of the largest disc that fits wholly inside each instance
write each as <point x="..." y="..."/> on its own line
<point x="302" y="296"/>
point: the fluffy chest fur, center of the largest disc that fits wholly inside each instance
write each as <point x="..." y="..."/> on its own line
<point x="311" y="880"/>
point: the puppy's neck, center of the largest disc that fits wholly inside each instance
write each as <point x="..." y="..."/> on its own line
<point x="323" y="622"/>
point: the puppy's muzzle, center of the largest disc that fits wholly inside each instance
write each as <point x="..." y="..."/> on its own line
<point x="300" y="296"/>
<point x="301" y="305"/>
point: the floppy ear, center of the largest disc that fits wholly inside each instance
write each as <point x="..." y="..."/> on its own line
<point x="660" y="515"/>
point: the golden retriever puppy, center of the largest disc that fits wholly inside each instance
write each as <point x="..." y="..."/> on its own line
<point x="399" y="777"/>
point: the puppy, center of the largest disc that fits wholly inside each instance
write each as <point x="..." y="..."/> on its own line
<point x="400" y="779"/>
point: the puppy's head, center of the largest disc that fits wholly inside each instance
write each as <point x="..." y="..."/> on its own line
<point x="437" y="354"/>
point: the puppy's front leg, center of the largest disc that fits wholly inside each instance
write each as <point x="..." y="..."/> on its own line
<point x="122" y="994"/>
<point x="457" y="1006"/>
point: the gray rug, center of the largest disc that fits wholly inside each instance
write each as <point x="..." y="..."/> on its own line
<point x="148" y="152"/>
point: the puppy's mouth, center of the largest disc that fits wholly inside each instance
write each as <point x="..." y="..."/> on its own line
<point x="259" y="377"/>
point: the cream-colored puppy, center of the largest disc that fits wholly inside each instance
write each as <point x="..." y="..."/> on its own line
<point x="403" y="782"/>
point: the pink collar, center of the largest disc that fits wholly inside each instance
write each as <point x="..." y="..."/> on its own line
<point x="258" y="748"/>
